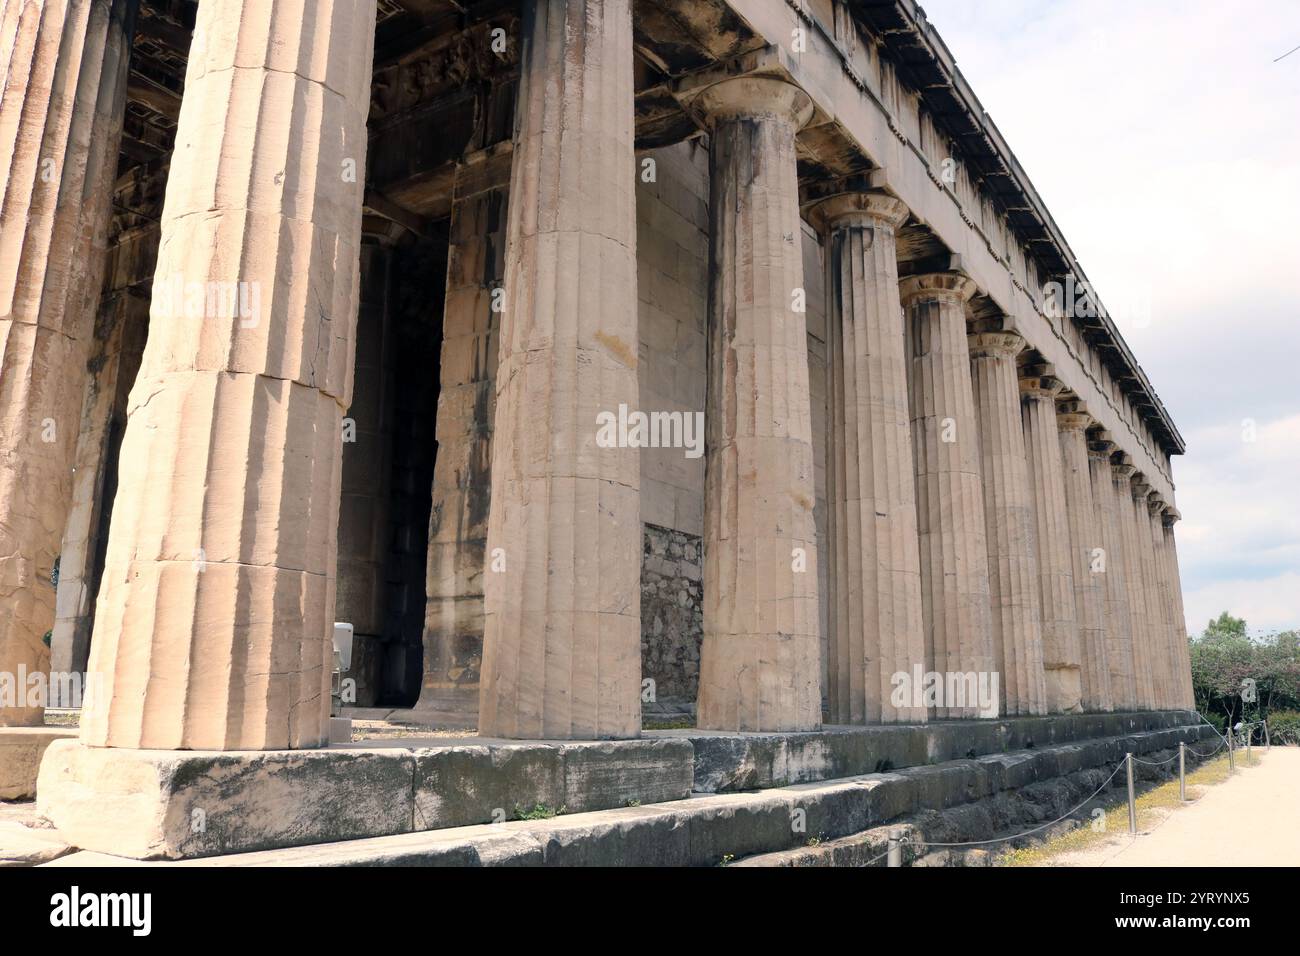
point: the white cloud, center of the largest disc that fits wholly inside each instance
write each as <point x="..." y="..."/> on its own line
<point x="1165" y="142"/>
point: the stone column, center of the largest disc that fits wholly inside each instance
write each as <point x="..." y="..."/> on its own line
<point x="562" y="622"/>
<point x="1152" y="532"/>
<point x="121" y="328"/>
<point x="1061" y="656"/>
<point x="458" y="523"/>
<point x="1009" y="518"/>
<point x="215" y="613"/>
<point x="949" y="491"/>
<point x="1135" y="580"/>
<point x="365" y="492"/>
<point x="1087" y="555"/>
<point x="1119" y="633"/>
<point x="63" y="68"/>
<point x="759" y="662"/>
<point x="1186" y="697"/>
<point x="877" y="629"/>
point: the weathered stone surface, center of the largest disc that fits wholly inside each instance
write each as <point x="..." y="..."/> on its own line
<point x="61" y="105"/>
<point x="711" y="829"/>
<point x="1185" y="697"/>
<point x="458" y="522"/>
<point x="672" y="617"/>
<point x="1119" y="634"/>
<point x="174" y="804"/>
<point x="1061" y="658"/>
<point x="760" y="660"/>
<point x="28" y="846"/>
<point x="1087" y="556"/>
<point x="21" y="750"/>
<point x="876" y="625"/>
<point x="201" y="560"/>
<point x="949" y="490"/>
<point x="159" y="803"/>
<point x="562" y="625"/>
<point x="1010" y="516"/>
<point x="1132" y="497"/>
<point x="731" y="762"/>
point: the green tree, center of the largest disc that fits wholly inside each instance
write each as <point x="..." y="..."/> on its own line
<point x="1224" y="656"/>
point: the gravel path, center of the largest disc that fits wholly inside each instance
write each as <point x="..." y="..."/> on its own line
<point x="1252" y="819"/>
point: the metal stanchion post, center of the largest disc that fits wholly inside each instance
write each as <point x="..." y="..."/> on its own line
<point x="1268" y="744"/>
<point x="1132" y="805"/>
<point x="895" y="857"/>
<point x="1182" y="771"/>
<point x="1250" y="739"/>
<point x="1232" y="756"/>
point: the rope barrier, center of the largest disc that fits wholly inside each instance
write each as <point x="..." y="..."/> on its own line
<point x="1014" y="836"/>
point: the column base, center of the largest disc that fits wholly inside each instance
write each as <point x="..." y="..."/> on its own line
<point x="175" y="804"/>
<point x="21" y="750"/>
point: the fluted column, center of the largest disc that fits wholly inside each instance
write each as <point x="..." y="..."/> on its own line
<point x="1085" y="540"/>
<point x="1119" y="628"/>
<point x="453" y="620"/>
<point x="1009" y="517"/>
<point x="759" y="663"/>
<point x="562" y="602"/>
<point x="949" y="491"/>
<point x="63" y="67"/>
<point x="1135" y="581"/>
<point x="1166" y="670"/>
<point x="1061" y="658"/>
<point x="216" y="607"/>
<point x="1186" y="697"/>
<point x="876" y="623"/>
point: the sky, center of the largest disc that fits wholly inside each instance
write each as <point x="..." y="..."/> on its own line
<point x="1165" y="141"/>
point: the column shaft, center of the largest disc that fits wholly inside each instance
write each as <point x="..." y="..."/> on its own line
<point x="1061" y="655"/>
<point x="1009" y="516"/>
<point x="562" y="622"/>
<point x="1085" y="540"/>
<point x="366" y="492"/>
<point x="1135" y="580"/>
<point x="877" y="629"/>
<point x="1186" y="696"/>
<point x="215" y="612"/>
<point x="1119" y="630"/>
<point x="453" y="622"/>
<point x="64" y="92"/>
<point x="1166" y="670"/>
<point x="123" y="322"/>
<point x="759" y="663"/>
<point x="949" y="491"/>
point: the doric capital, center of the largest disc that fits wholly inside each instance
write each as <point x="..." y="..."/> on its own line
<point x="1099" y="444"/>
<point x="1155" y="504"/>
<point x="937" y="285"/>
<point x="869" y="209"/>
<point x="1042" y="387"/>
<point x="748" y="96"/>
<point x="1122" y="471"/>
<point x="1140" y="487"/>
<point x="1073" y="421"/>
<point x="995" y="344"/>
<point x="1171" y="516"/>
<point x="1072" y="415"/>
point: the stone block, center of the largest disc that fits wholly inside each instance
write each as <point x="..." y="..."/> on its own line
<point x="598" y="776"/>
<point x="21" y="750"/>
<point x="457" y="786"/>
<point x="173" y="804"/>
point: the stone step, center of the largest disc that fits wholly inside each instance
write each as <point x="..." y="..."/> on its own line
<point x="710" y="829"/>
